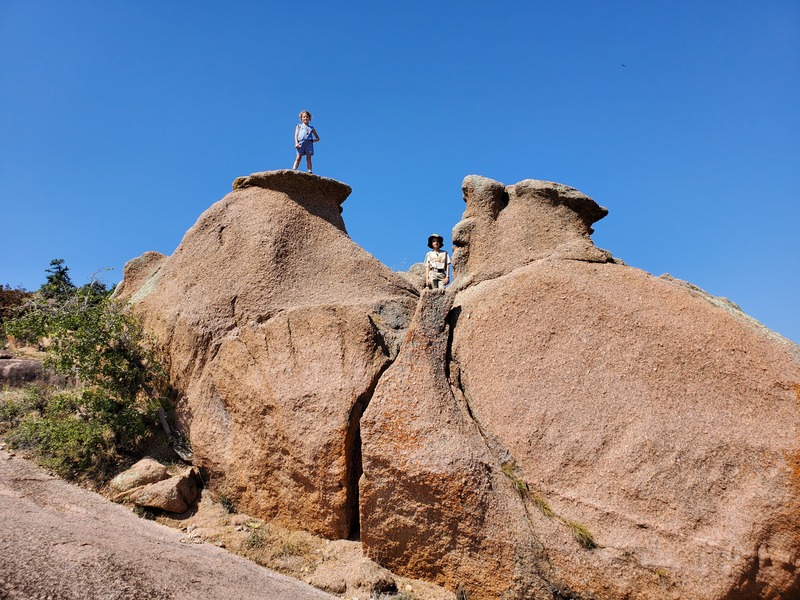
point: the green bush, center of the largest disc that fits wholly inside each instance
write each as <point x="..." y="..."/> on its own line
<point x="122" y="383"/>
<point x="15" y="404"/>
<point x="70" y="446"/>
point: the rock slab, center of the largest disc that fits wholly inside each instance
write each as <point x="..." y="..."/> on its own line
<point x="60" y="541"/>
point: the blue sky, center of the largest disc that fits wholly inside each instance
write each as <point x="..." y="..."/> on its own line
<point x="121" y="122"/>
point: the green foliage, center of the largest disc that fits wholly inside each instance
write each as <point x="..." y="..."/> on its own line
<point x="94" y="338"/>
<point x="144" y="513"/>
<point x="10" y="301"/>
<point x="59" y="284"/>
<point x="101" y="343"/>
<point x="77" y="433"/>
<point x="227" y="504"/>
<point x="16" y="404"/>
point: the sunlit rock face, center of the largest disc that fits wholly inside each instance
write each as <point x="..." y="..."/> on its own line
<point x="568" y="427"/>
<point x="504" y="228"/>
<point x="277" y="327"/>
<point x="555" y="425"/>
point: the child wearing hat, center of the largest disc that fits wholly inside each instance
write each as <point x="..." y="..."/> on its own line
<point x="437" y="264"/>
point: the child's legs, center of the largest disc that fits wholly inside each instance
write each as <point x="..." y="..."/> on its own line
<point x="308" y="161"/>
<point x="296" y="161"/>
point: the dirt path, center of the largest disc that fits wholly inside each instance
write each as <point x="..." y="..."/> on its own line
<point x="58" y="541"/>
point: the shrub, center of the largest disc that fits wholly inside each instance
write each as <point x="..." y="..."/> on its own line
<point x="10" y="301"/>
<point x="15" y="404"/>
<point x="123" y="383"/>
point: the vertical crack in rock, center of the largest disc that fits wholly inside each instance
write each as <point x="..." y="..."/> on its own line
<point x="501" y="456"/>
<point x="354" y="465"/>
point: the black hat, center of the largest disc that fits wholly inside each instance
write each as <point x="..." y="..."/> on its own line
<point x="433" y="237"/>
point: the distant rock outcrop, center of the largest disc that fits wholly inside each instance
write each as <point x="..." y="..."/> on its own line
<point x="16" y="372"/>
<point x="555" y="425"/>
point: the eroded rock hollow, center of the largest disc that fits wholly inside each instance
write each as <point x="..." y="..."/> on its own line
<point x="555" y="425"/>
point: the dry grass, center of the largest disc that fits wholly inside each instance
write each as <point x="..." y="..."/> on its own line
<point x="541" y="504"/>
<point x="297" y="554"/>
<point x="581" y="534"/>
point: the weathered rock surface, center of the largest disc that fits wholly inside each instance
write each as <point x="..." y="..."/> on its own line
<point x="415" y="275"/>
<point x="504" y="228"/>
<point x="175" y="494"/>
<point x="20" y="371"/>
<point x="61" y="541"/>
<point x="277" y="327"/>
<point x="580" y="397"/>
<point x="150" y="484"/>
<point x="362" y="577"/>
<point x="556" y="425"/>
<point x="143" y="472"/>
<point x="434" y="502"/>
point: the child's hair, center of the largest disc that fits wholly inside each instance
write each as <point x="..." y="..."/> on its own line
<point x="305" y="112"/>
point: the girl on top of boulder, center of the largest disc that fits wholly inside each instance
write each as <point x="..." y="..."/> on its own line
<point x="437" y="264"/>
<point x="304" y="138"/>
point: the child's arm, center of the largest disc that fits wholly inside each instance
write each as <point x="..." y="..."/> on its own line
<point x="296" y="142"/>
<point x="446" y="268"/>
<point x="316" y="135"/>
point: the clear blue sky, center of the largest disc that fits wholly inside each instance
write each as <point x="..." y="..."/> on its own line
<point x="121" y="122"/>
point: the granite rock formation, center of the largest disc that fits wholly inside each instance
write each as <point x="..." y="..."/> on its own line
<point x="555" y="425"/>
<point x="277" y="327"/>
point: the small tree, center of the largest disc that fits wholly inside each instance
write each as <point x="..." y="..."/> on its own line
<point x="59" y="284"/>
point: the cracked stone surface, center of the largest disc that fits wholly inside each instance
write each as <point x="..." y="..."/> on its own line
<point x="555" y="425"/>
<point x="277" y="326"/>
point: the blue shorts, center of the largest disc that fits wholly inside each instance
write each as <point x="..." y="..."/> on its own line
<point x="306" y="148"/>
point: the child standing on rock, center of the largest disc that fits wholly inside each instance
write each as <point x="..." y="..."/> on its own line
<point x="437" y="264"/>
<point x="304" y="138"/>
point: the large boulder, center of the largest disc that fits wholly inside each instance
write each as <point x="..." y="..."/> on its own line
<point x="576" y="428"/>
<point x="435" y="503"/>
<point x="277" y="327"/>
<point x="506" y="227"/>
<point x="555" y="425"/>
<point x="150" y="484"/>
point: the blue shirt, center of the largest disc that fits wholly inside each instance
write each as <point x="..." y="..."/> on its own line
<point x="304" y="133"/>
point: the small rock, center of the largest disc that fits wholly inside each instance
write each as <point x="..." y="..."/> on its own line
<point x="143" y="472"/>
<point x="174" y="495"/>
